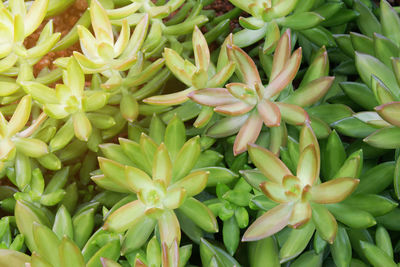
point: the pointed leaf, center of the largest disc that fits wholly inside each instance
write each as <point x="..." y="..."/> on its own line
<point x="194" y="183"/>
<point x="308" y="168"/>
<point x="200" y="214"/>
<point x="301" y="214"/>
<point x="281" y="55"/>
<point x="100" y="23"/>
<point x="244" y="65"/>
<point x="200" y="49"/>
<point x="269" y="223"/>
<point x="227" y="126"/>
<point x="284" y="77"/>
<point x="334" y="190"/>
<point x="20" y="116"/>
<point x="35" y="16"/>
<point x="268" y="163"/>
<point x="213" y="97"/>
<point x="311" y="92"/>
<point x="186" y="158"/>
<point x="390" y="22"/>
<point x="390" y="112"/>
<point x="137" y="180"/>
<point x="324" y="222"/>
<point x="293" y="114"/>
<point x="169" y="228"/>
<point x="47" y="243"/>
<point x="175" y="136"/>
<point x="248" y="133"/>
<point x="269" y="112"/>
<point x="125" y="217"/>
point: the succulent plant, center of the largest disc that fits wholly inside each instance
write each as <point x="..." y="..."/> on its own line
<point x="101" y="53"/>
<point x="110" y="158"/>
<point x="201" y="75"/>
<point x="251" y="104"/>
<point x="308" y="18"/>
<point x="69" y="100"/>
<point x="300" y="196"/>
<point x="161" y="179"/>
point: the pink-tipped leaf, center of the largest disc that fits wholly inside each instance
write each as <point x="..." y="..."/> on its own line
<point x="268" y="163"/>
<point x="269" y="223"/>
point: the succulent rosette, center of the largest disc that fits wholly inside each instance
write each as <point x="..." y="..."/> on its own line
<point x="300" y="197"/>
<point x="71" y="101"/>
<point x="309" y="19"/>
<point x="249" y="105"/>
<point x="17" y="23"/>
<point x="101" y="53"/>
<point x="161" y="179"/>
<point x="18" y="146"/>
<point x="196" y="76"/>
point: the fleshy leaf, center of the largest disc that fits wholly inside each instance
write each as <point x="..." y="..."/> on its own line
<point x="137" y="179"/>
<point x="301" y="214"/>
<point x="268" y="163"/>
<point x="269" y="113"/>
<point x="307" y="168"/>
<point x="269" y="223"/>
<point x="390" y="112"/>
<point x="244" y="65"/>
<point x="213" y="97"/>
<point x="125" y="217"/>
<point x="334" y="190"/>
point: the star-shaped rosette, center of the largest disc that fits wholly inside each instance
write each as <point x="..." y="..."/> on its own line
<point x="101" y="53"/>
<point x="250" y="104"/>
<point x="202" y="74"/>
<point x="298" y="195"/>
<point x="70" y="100"/>
<point x="17" y="22"/>
<point x="163" y="180"/>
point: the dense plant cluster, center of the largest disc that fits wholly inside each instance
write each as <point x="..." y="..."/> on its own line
<point x="176" y="135"/>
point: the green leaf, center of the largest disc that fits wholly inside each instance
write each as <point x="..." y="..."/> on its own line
<point x="186" y="158"/>
<point x="324" y="222"/>
<point x="387" y="138"/>
<point x="366" y="21"/>
<point x="63" y="223"/>
<point x="26" y="215"/>
<point x="376" y="256"/>
<point x="390" y="22"/>
<point x="341" y="248"/>
<point x="10" y="257"/>
<point x="110" y="251"/>
<point x="137" y="236"/>
<point x="301" y="21"/>
<point x="70" y="254"/>
<point x="83" y="224"/>
<point x="218" y="175"/>
<point x="296" y="242"/>
<point x="20" y="116"/>
<point x="82" y="126"/>
<point x="352" y="217"/>
<point x="35" y="16"/>
<point x="47" y="243"/>
<point x="200" y="214"/>
<point x="269" y="223"/>
<point x="208" y="252"/>
<point x="368" y="65"/>
<point x="264" y="251"/>
<point x="125" y="217"/>
<point x="269" y="164"/>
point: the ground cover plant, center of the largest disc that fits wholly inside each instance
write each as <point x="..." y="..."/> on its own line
<point x="209" y="133"/>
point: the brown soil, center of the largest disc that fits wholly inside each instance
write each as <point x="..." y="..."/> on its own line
<point x="220" y="6"/>
<point x="62" y="23"/>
